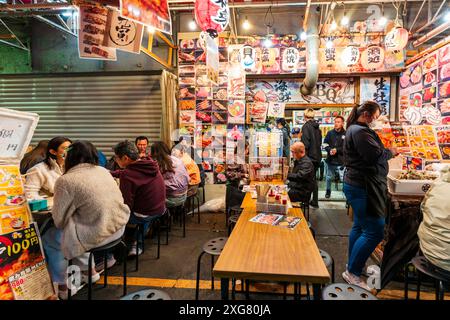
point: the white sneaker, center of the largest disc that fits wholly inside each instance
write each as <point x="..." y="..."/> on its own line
<point x="350" y="278"/>
<point x="95" y="276"/>
<point x="134" y="251"/>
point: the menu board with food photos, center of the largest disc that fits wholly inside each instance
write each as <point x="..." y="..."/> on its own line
<point x="443" y="140"/>
<point x="23" y="270"/>
<point x="425" y="89"/>
<point x="400" y="137"/>
<point x="423" y="143"/>
<point x="413" y="163"/>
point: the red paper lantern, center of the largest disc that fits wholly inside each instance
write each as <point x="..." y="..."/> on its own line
<point x="212" y="16"/>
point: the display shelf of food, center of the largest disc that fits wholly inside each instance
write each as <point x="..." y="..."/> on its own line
<point x="410" y="182"/>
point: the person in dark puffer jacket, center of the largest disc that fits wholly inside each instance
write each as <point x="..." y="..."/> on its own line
<point x="312" y="139"/>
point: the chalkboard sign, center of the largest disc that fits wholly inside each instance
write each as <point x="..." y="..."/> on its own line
<point x="16" y="131"/>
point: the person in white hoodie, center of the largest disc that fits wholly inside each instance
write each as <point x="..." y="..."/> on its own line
<point x="41" y="178"/>
<point x="434" y="230"/>
<point x="88" y="212"/>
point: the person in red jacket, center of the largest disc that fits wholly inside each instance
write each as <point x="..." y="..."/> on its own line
<point x="142" y="187"/>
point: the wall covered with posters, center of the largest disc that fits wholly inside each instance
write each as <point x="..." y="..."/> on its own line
<point x="214" y="117"/>
<point x="425" y="89"/>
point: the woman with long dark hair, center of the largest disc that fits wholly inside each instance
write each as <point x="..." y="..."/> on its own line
<point x="40" y="179"/>
<point x="34" y="157"/>
<point x="176" y="177"/>
<point x="365" y="187"/>
<point x="88" y="212"/>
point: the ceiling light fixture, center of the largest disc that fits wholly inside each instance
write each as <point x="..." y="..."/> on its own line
<point x="192" y="25"/>
<point x="151" y="29"/>
<point x="246" y="24"/>
<point x="303" y="36"/>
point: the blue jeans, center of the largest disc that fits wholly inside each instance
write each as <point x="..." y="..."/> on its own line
<point x="367" y="231"/>
<point x="331" y="173"/>
<point x="57" y="263"/>
<point x="147" y="222"/>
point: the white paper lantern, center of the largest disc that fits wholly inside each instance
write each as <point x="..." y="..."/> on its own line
<point x="350" y="56"/>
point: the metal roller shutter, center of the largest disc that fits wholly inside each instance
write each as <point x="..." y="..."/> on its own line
<point x="103" y="109"/>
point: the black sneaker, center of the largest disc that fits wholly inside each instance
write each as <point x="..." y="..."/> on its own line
<point x="328" y="194"/>
<point x="314" y="205"/>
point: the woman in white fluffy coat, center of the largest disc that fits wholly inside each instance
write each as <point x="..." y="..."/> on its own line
<point x="88" y="212"/>
<point x="41" y="178"/>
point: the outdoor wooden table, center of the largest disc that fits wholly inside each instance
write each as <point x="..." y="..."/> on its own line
<point x="258" y="251"/>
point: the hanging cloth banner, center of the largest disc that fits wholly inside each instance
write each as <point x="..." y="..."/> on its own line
<point x="122" y="33"/>
<point x="152" y="13"/>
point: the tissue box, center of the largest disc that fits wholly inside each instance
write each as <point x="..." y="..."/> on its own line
<point x="38" y="205"/>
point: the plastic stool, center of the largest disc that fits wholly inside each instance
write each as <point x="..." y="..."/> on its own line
<point x="213" y="247"/>
<point x="344" y="291"/>
<point x="149" y="294"/>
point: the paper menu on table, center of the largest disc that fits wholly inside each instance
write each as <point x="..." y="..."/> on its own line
<point x="278" y="220"/>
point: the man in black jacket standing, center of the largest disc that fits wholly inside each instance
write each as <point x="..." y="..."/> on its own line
<point x="312" y="139"/>
<point x="334" y="142"/>
<point x="302" y="178"/>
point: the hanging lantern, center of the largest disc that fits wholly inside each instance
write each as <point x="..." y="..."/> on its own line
<point x="350" y="56"/>
<point x="248" y="57"/>
<point x="396" y="39"/>
<point x="212" y="16"/>
<point x="290" y="59"/>
<point x="372" y="58"/>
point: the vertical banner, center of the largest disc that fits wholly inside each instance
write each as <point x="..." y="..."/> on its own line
<point x="153" y="13"/>
<point x="377" y="89"/>
<point x="212" y="59"/>
<point x="123" y="34"/>
<point x="93" y="31"/>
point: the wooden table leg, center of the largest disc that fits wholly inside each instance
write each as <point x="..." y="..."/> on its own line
<point x="316" y="291"/>
<point x="224" y="288"/>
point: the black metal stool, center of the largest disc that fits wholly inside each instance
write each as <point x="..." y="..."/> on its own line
<point x="305" y="206"/>
<point x="423" y="266"/>
<point x="178" y="212"/>
<point x="105" y="250"/>
<point x="213" y="247"/>
<point x="140" y="233"/>
<point x="344" y="291"/>
<point x="191" y="205"/>
<point x="235" y="210"/>
<point x="148" y="294"/>
<point x="329" y="262"/>
<point x="232" y="222"/>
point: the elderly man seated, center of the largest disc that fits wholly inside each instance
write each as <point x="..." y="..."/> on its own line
<point x="302" y="178"/>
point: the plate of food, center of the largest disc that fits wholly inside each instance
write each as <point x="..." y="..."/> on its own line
<point x="445" y="72"/>
<point x="187" y="105"/>
<point x="221" y="94"/>
<point x="430" y="63"/>
<point x="416" y="74"/>
<point x="220" y="105"/>
<point x="404" y="79"/>
<point x="17" y="223"/>
<point x="236" y="109"/>
<point x="443" y="137"/>
<point x="444" y="90"/>
<point x="416" y="100"/>
<point x="219" y="117"/>
<point x="444" y="54"/>
<point x="203" y="105"/>
<point x="187" y="44"/>
<point x="15" y="200"/>
<point x="186" y="57"/>
<point x="429" y="78"/>
<point x="445" y="151"/>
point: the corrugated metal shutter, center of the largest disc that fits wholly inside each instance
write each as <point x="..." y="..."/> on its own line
<point x="103" y="109"/>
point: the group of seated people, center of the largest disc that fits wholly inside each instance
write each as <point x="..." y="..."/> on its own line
<point x="90" y="208"/>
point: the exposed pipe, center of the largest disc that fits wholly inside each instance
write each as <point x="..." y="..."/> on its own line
<point x="55" y="25"/>
<point x="438" y="30"/>
<point x="312" y="53"/>
<point x="14" y="45"/>
<point x="185" y="5"/>
<point x="305" y="20"/>
<point x="427" y="25"/>
<point x="417" y="15"/>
